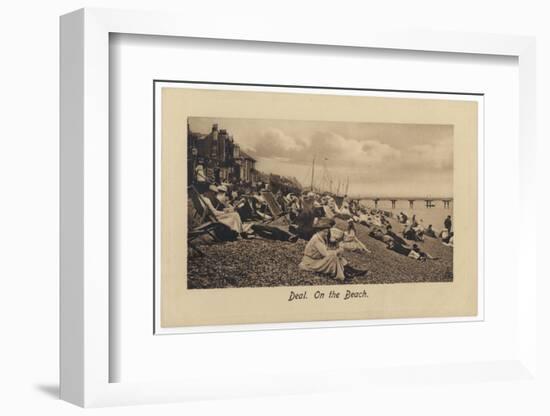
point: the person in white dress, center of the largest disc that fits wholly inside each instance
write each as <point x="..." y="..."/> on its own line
<point x="319" y="258"/>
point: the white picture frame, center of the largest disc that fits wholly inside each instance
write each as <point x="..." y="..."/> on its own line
<point x="85" y="163"/>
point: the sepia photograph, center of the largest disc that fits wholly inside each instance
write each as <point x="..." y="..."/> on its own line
<point x="278" y="205"/>
<point x="294" y="203"/>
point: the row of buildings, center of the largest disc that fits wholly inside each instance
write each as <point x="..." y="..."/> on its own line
<point x="222" y="158"/>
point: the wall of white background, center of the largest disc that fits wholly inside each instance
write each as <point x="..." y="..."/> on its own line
<point x="29" y="188"/>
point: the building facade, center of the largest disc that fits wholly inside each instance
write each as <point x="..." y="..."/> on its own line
<point x="221" y="157"/>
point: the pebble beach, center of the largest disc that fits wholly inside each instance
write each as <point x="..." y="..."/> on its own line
<point x="257" y="262"/>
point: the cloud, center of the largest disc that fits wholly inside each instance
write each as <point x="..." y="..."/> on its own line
<point x="328" y="146"/>
<point x="371" y="164"/>
<point x="274" y="143"/>
<point x="376" y="157"/>
<point x="378" y="152"/>
<point x="434" y="156"/>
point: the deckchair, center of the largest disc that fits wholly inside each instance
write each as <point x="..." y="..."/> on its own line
<point x="202" y="216"/>
<point x="202" y="213"/>
<point x="274" y="208"/>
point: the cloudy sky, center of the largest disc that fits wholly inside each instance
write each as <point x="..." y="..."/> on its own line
<point x="380" y="159"/>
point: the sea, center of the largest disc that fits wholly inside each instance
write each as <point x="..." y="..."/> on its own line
<point x="434" y="215"/>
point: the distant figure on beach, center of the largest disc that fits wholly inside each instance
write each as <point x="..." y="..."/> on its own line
<point x="402" y="217"/>
<point x="395" y="237"/>
<point x="398" y="248"/>
<point x="450" y="242"/>
<point x="418" y="254"/>
<point x="410" y="233"/>
<point x="430" y="232"/>
<point x="379" y="234"/>
<point x="413" y="252"/>
<point x="448" y="238"/>
<point x="319" y="258"/>
<point x="448" y="223"/>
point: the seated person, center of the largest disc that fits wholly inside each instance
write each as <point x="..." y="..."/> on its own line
<point x="345" y="208"/>
<point x="260" y="206"/>
<point x="448" y="239"/>
<point x="450" y="243"/>
<point x="328" y="211"/>
<point x="379" y="234"/>
<point x="398" y="248"/>
<point x="223" y="213"/>
<point x="364" y="218"/>
<point x="303" y="225"/>
<point x="320" y="257"/>
<point x="430" y="231"/>
<point x="395" y="237"/>
<point x="350" y="241"/>
<point x="413" y="252"/>
<point x="317" y="203"/>
<point x="419" y="230"/>
<point x="418" y="254"/>
<point x="245" y="207"/>
<point x="409" y="233"/>
<point x="376" y="221"/>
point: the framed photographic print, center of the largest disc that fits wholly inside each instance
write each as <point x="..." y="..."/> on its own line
<point x="221" y="189"/>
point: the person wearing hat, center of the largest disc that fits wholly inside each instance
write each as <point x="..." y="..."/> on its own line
<point x="323" y="223"/>
<point x="223" y="212"/>
<point x="211" y="193"/>
<point x="303" y="222"/>
<point x="350" y="241"/>
<point x="319" y="257"/>
<point x="293" y="206"/>
<point x="200" y="176"/>
<point x="328" y="209"/>
<point x="221" y="195"/>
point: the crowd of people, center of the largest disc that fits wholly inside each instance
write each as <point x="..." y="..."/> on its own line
<point x="248" y="212"/>
<point x="415" y="230"/>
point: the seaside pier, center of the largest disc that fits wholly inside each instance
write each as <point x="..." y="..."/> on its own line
<point x="429" y="202"/>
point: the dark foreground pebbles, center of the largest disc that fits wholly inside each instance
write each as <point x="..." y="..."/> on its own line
<point x="257" y="262"/>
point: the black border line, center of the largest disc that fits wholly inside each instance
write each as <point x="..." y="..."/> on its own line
<point x="244" y="84"/>
<point x="316" y="87"/>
